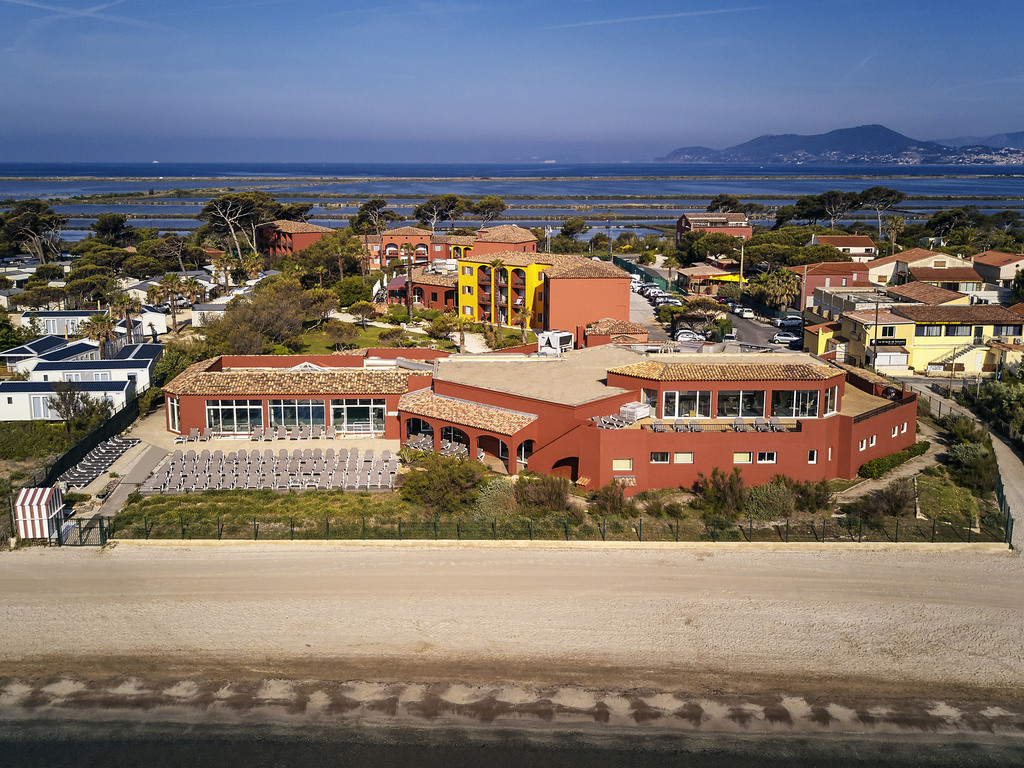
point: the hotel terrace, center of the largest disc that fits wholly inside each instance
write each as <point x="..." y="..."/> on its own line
<point x="595" y="415"/>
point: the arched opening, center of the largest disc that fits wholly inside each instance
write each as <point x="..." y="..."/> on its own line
<point x="454" y="435"/>
<point x="391" y="249"/>
<point x="567" y="467"/>
<point x="492" y="446"/>
<point x="524" y="451"/>
<point x="417" y="427"/>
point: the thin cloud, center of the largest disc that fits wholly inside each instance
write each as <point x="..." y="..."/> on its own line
<point x="93" y="12"/>
<point x="657" y="17"/>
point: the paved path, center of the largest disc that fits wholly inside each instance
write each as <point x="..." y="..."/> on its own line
<point x="136" y="474"/>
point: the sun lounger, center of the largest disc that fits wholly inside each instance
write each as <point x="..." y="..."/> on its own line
<point x="739" y="426"/>
<point x="679" y="426"/>
<point x="658" y="426"/>
<point x="776" y="425"/>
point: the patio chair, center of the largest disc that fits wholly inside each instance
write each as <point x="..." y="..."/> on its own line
<point x="181" y="438"/>
<point x="776" y="425"/>
<point x="206" y="435"/>
<point x="739" y="426"/>
<point x="193" y="435"/>
<point x="679" y="426"/>
<point x="695" y="426"/>
<point x="282" y="433"/>
<point x="761" y="425"/>
<point x="658" y="426"/>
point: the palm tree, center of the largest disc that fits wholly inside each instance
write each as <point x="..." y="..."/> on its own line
<point x="171" y="287"/>
<point x="671" y="263"/>
<point x="222" y="265"/>
<point x="193" y="289"/>
<point x="408" y="249"/>
<point x="154" y="294"/>
<point x="99" y="328"/>
<point x="462" y="323"/>
<point x="496" y="266"/>
<point x="252" y="265"/>
<point x="127" y="307"/>
<point x="894" y="225"/>
<point x="524" y="316"/>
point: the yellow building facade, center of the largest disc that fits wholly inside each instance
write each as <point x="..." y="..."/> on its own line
<point x="503" y="285"/>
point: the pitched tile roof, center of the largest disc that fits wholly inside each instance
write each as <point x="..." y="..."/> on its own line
<point x="656" y="371"/>
<point x="908" y="256"/>
<point x="998" y="258"/>
<point x="454" y="239"/>
<point x="924" y="293"/>
<point x="506" y="233"/>
<point x="511" y="258"/>
<point x="296" y="227"/>
<point x="424" y="402"/>
<point x="832" y="268"/>
<point x="828" y="327"/>
<point x="982" y="314"/>
<point x="406" y="232"/>
<point x="582" y="268"/>
<point x="946" y="274"/>
<point x="420" y="276"/>
<point x="697" y="219"/>
<point x="610" y="326"/>
<point x="869" y="316"/>
<point x="198" y="379"/>
<point x="1018" y="309"/>
<point x="846" y="241"/>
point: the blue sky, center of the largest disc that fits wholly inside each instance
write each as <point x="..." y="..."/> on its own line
<point x="475" y="81"/>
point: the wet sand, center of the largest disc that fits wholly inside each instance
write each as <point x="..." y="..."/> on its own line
<point x="608" y="640"/>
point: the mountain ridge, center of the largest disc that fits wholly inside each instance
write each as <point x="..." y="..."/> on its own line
<point x="864" y="144"/>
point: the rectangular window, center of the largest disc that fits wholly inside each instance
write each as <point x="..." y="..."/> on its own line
<point x="437" y="247"/>
<point x="234" y="416"/>
<point x="766" y="457"/>
<point x="467" y="310"/>
<point x="873" y="440"/>
<point x="959" y="330"/>
<point x="831" y="400"/>
<point x="812" y="457"/>
<point x="742" y="457"/>
<point x="678" y="405"/>
<point x="733" y="403"/>
<point x="433" y="296"/>
<point x="650" y="396"/>
<point x="895" y="431"/>
<point x="684" y="457"/>
<point x="622" y="465"/>
<point x="860" y="446"/>
<point x="359" y="415"/>
<point x="928" y="330"/>
<point x="659" y="457"/>
<point x="40" y="407"/>
<point x="467" y="270"/>
<point x="467" y="290"/>
<point x="888" y="331"/>
<point x="903" y="428"/>
<point x="1006" y="330"/>
<point x="296" y="413"/>
<point x="173" y="418"/>
<point x="795" y="403"/>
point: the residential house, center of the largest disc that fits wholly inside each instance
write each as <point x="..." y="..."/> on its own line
<point x="828" y="274"/>
<point x="893" y="269"/>
<point x="732" y="224"/>
<point x="30" y="400"/>
<point x="926" y="293"/>
<point x="859" y="247"/>
<point x="997" y="267"/>
<point x="281" y="238"/>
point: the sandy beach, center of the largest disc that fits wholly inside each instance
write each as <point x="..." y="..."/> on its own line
<point x="692" y="638"/>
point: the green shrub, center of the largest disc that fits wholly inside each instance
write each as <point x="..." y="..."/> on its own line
<point x="721" y="495"/>
<point x="770" y="501"/>
<point x="893" y="500"/>
<point x="545" y="493"/>
<point x="924" y="407"/>
<point x="611" y="500"/>
<point x="73" y="497"/>
<point x="877" y="467"/>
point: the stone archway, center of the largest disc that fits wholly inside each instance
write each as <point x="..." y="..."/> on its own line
<point x="567" y="467"/>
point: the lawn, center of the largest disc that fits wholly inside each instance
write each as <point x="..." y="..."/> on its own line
<point x="317" y="343"/>
<point x="941" y="499"/>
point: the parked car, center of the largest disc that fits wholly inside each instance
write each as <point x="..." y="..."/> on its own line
<point x="788" y="321"/>
<point x="686" y="334"/>
<point x="785" y="337"/>
<point x="730" y="337"/>
<point x="745" y="312"/>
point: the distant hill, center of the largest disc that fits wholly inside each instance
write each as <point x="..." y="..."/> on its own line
<point x="865" y="144"/>
<point x="999" y="140"/>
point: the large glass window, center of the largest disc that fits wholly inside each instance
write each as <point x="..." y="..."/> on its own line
<point x="831" y="400"/>
<point x="40" y="407"/>
<point x="681" y="404"/>
<point x="172" y="413"/>
<point x="733" y="403"/>
<point x="1006" y="330"/>
<point x="359" y="414"/>
<point x="959" y="330"/>
<point x="296" y="413"/>
<point x="928" y="330"/>
<point x="234" y="416"/>
<point x="795" y="403"/>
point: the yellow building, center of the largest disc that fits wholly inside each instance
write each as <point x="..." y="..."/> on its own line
<point x="965" y="340"/>
<point x="503" y="284"/>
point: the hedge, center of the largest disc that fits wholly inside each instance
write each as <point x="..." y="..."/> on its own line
<point x="878" y="467"/>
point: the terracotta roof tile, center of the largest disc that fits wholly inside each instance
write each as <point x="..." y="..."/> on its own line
<point x="846" y="241"/>
<point x="869" y="316"/>
<point x="924" y="293"/>
<point x="197" y="379"/>
<point x="420" y="276"/>
<point x="832" y="268"/>
<point x="424" y="402"/>
<point x="582" y="268"/>
<point x="982" y="314"/>
<point x="913" y="254"/>
<point x="406" y="232"/>
<point x="946" y="274"/>
<point x="609" y="326"/>
<point x="297" y="227"/>
<point x="655" y="371"/>
<point x="506" y="233"/>
<point x="454" y="239"/>
<point x="511" y="258"/>
<point x="997" y="258"/>
<point x="1018" y="309"/>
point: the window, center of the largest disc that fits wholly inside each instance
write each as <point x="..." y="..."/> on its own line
<point x="437" y="247"/>
<point x="903" y="428"/>
<point x="296" y="413"/>
<point x="766" y="457"/>
<point x="650" y="396"/>
<point x="680" y="404"/>
<point x="959" y="330"/>
<point x="359" y="414"/>
<point x="467" y="310"/>
<point x="928" y="330"/>
<point x="659" y="457"/>
<point x="433" y="295"/>
<point x="467" y="270"/>
<point x="622" y="465"/>
<point x="467" y="290"/>
<point x="742" y="457"/>
<point x="10" y="401"/>
<point x="830" y="453"/>
<point x="873" y="440"/>
<point x="734" y="404"/>
<point x="234" y="416"/>
<point x="102" y="376"/>
<point x="861" y="446"/>
<point x="895" y="431"/>
<point x="888" y="331"/>
<point x="173" y="417"/>
<point x="812" y="457"/>
<point x="794" y="403"/>
<point x="831" y="400"/>
<point x="1006" y="330"/>
<point x="683" y="457"/>
<point x="40" y="407"/>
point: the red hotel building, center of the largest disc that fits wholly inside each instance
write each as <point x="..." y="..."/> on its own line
<point x="541" y="411"/>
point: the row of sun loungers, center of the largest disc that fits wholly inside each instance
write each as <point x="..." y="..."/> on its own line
<point x="612" y="422"/>
<point x="269" y="434"/>
<point x="448" y="447"/>
<point x="192" y="472"/>
<point x="96" y="462"/>
<point x="759" y="424"/>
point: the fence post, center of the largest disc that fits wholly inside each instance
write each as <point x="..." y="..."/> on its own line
<point x="566" y="527"/>
<point x="897" y="530"/>
<point x="60" y="534"/>
<point x="750" y="534"/>
<point x="327" y="529"/>
<point x="181" y="522"/>
<point x="435" y="529"/>
<point x="494" y="528"/>
<point x="292" y="528"/>
<point x="103" y="535"/>
<point x="677" y="531"/>
<point x="145" y="525"/>
<point x="458" y="528"/>
<point x="640" y="529"/>
<point x="787" y="530"/>
<point x="364" y="526"/>
<point x="604" y="528"/>
<point x="255" y="529"/>
<point x="399" y="529"/>
<point x="860" y="531"/>
<point x="969" y="531"/>
<point x="531" y="529"/>
<point x="933" y="530"/>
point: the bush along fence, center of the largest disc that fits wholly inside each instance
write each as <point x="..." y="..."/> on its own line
<point x="237" y="527"/>
<point x="878" y="467"/>
<point x="635" y="269"/>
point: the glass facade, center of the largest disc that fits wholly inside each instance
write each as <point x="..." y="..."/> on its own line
<point x="358" y="414"/>
<point x="795" y="403"/>
<point x="234" y="416"/>
<point x="735" y="403"/>
<point x="172" y="413"/>
<point x="680" y="404"/>
<point x="296" y="413"/>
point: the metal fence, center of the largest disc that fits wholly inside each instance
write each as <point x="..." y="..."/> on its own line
<point x="635" y="269"/>
<point x="823" y="530"/>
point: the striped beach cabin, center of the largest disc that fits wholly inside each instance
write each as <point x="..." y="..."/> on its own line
<point x="38" y="512"/>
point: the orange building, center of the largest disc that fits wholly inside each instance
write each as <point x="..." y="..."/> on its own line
<point x="280" y="238"/>
<point x="732" y="224"/>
